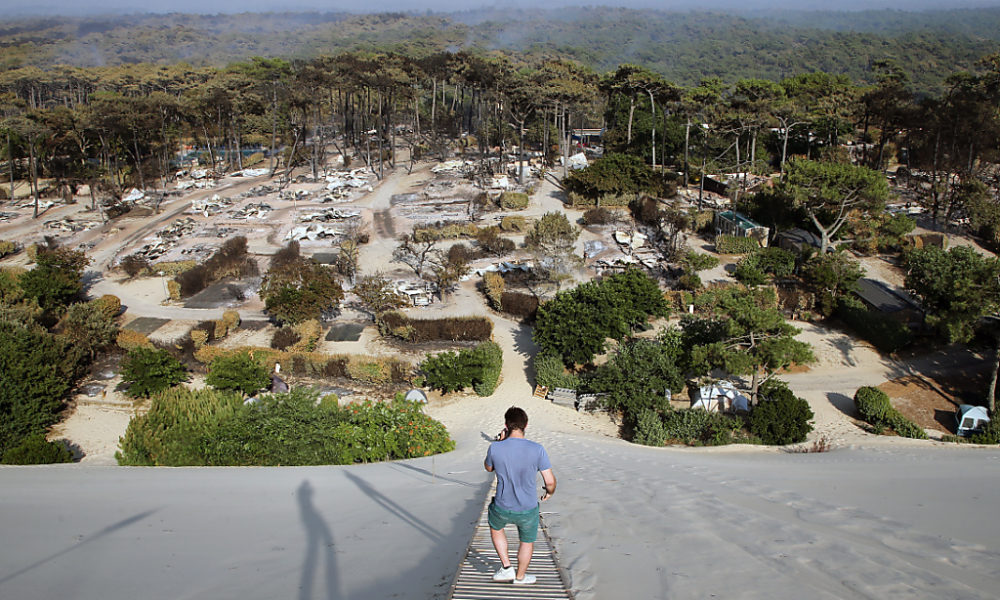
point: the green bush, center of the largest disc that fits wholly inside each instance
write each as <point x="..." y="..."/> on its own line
<point x="478" y="368"/>
<point x="697" y="427"/>
<point x="36" y="450"/>
<point x="513" y="200"/>
<point x="757" y="267"/>
<point x="37" y="371"/>
<point x="551" y="373"/>
<point x="148" y="371"/>
<point x="619" y="175"/>
<point x="7" y="248"/>
<point x="209" y="427"/>
<point x="990" y="433"/>
<point x="452" y="329"/>
<point x="696" y="261"/>
<point x="781" y="419"/>
<point x="886" y="334"/>
<point x="731" y="244"/>
<point x="873" y="406"/>
<point x="239" y="372"/>
<point x="649" y="430"/>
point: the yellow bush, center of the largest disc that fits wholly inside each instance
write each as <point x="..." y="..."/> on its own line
<point x="199" y="337"/>
<point x="32" y="251"/>
<point x="109" y="305"/>
<point x="514" y="223"/>
<point x="227" y="324"/>
<point x="361" y="368"/>
<point x="174" y="289"/>
<point x="171" y="268"/>
<point x="129" y="340"/>
<point x="309" y="333"/>
<point x="494" y="284"/>
<point x="7" y="248"/>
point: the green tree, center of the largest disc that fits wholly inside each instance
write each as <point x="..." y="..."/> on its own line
<point x="88" y="326"/>
<point x="831" y="276"/>
<point x="552" y="235"/>
<point x="781" y="417"/>
<point x="829" y="193"/>
<point x="239" y="372"/>
<point x="637" y="376"/>
<point x="37" y="370"/>
<point x="149" y="370"/>
<point x="741" y="332"/>
<point x="56" y="279"/>
<point x="297" y="289"/>
<point x="956" y="288"/>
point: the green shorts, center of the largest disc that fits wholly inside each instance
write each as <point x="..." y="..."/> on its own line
<point x="526" y="521"/>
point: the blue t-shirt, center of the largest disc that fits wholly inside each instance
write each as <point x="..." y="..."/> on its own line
<point x="515" y="462"/>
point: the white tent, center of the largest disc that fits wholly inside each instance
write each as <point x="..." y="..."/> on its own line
<point x="416" y="395"/>
<point x="970" y="419"/>
<point x="720" y="396"/>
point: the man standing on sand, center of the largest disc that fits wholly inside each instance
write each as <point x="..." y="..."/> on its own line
<point x="515" y="461"/>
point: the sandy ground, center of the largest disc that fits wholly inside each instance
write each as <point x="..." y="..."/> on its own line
<point x="874" y="518"/>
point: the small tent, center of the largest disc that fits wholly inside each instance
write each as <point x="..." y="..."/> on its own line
<point x="970" y="419"/>
<point x="721" y="396"/>
<point x="416" y="395"/>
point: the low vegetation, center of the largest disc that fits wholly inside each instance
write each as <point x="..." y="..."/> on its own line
<point x="216" y="428"/>
<point x="478" y="368"/>
<point x="875" y="408"/>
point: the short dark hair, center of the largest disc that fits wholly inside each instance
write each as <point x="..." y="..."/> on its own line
<point x="515" y="418"/>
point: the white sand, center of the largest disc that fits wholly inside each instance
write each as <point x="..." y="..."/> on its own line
<point x="875" y="518"/>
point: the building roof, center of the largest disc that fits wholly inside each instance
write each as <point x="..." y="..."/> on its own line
<point x="881" y="297"/>
<point x="742" y="222"/>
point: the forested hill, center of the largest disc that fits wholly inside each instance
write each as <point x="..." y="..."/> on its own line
<point x="683" y="46"/>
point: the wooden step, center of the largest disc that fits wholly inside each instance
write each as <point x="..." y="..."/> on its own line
<point x="474" y="580"/>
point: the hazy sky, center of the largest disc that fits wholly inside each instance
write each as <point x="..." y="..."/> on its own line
<point x="12" y="8"/>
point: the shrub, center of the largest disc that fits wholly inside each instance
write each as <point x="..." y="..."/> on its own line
<point x="886" y="334"/>
<point x="513" y="201"/>
<point x="445" y="231"/>
<point x="696" y="261"/>
<point x="284" y="337"/>
<point x="172" y="268"/>
<point x="697" y="427"/>
<point x="873" y="406"/>
<point x="88" y="326"/>
<point x="990" y="433"/>
<point x="230" y="260"/>
<point x="309" y="333"/>
<point x="619" y="175"/>
<point x="128" y="339"/>
<point x="492" y="242"/>
<point x="731" y="244"/>
<point x="239" y="372"/>
<point x="368" y="370"/>
<point x="199" y="337"/>
<point x="600" y="216"/>
<point x="781" y="419"/>
<point x="551" y="373"/>
<point x="519" y="305"/>
<point x="452" y="329"/>
<point x="7" y="248"/>
<point x="478" y="368"/>
<point x="493" y="285"/>
<point x="514" y="223"/>
<point x="649" y="431"/>
<point x="905" y="427"/>
<point x="227" y="324"/>
<point x="36" y="450"/>
<point x="109" y="305"/>
<point x="134" y="264"/>
<point x="37" y="370"/>
<point x="148" y="371"/>
<point x="174" y="290"/>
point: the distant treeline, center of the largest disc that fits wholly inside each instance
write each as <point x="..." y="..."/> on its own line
<point x="683" y="47"/>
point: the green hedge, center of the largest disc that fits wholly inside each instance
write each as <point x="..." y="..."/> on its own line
<point x="215" y="428"/>
<point x="875" y="408"/>
<point x="731" y="244"/>
<point x="551" y="373"/>
<point x="35" y="450"/>
<point x="478" y="368"/>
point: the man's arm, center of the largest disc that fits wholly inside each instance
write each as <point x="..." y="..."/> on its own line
<point x="549" y="481"/>
<point x="487" y="465"/>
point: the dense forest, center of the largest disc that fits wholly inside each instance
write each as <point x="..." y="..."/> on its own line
<point x="684" y="47"/>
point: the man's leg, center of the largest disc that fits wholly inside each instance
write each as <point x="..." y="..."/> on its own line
<point x="524" y="552"/>
<point x="500" y="544"/>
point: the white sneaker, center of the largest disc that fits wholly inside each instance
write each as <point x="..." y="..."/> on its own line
<point x="528" y="580"/>
<point x="505" y="573"/>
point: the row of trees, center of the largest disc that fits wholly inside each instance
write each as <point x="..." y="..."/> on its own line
<point x="115" y="128"/>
